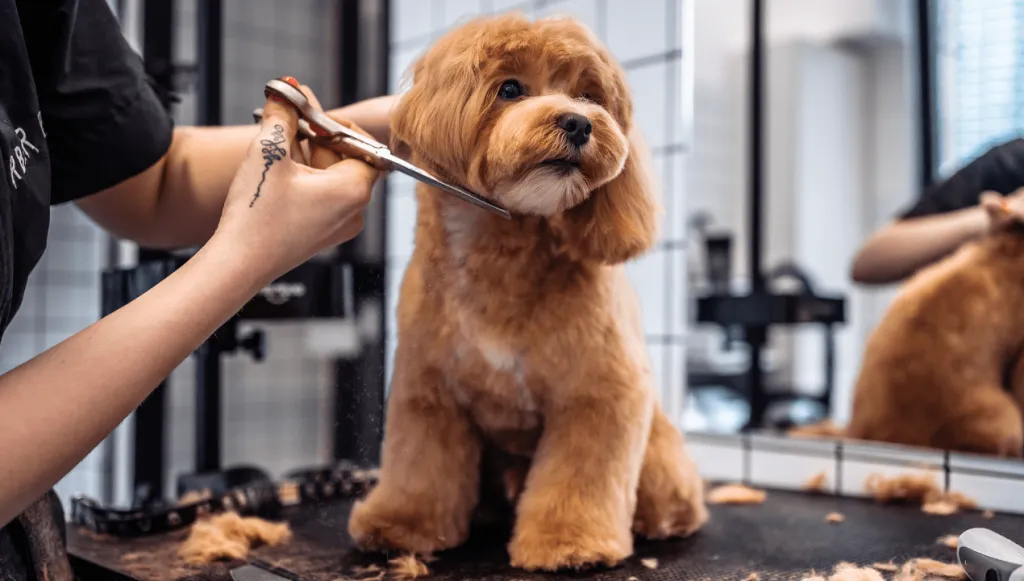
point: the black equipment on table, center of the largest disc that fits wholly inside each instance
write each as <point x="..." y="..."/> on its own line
<point x="245" y="490"/>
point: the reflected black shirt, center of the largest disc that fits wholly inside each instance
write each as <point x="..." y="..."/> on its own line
<point x="1000" y="169"/>
<point x="78" y="114"/>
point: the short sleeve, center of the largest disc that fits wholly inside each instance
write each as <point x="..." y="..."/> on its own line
<point x="104" y="121"/>
<point x="1000" y="169"/>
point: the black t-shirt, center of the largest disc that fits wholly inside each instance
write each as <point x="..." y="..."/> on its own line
<point x="78" y="114"/>
<point x="1000" y="169"/>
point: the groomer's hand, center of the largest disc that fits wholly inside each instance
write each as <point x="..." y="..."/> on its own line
<point x="1003" y="211"/>
<point x="279" y="212"/>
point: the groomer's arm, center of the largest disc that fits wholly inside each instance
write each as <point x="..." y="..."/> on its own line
<point x="903" y="247"/>
<point x="177" y="202"/>
<point x="946" y="216"/>
<point x="57" y="407"/>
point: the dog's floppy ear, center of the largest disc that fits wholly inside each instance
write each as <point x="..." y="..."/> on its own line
<point x="404" y="114"/>
<point x="430" y="114"/>
<point x="619" y="221"/>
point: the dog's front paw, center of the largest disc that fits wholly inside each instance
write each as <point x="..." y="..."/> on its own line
<point x="374" y="527"/>
<point x="558" y="549"/>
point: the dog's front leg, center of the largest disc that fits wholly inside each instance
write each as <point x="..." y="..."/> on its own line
<point x="577" y="508"/>
<point x="430" y="471"/>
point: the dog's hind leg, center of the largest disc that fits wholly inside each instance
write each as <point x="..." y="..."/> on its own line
<point x="429" y="479"/>
<point x="670" y="497"/>
<point x="990" y="423"/>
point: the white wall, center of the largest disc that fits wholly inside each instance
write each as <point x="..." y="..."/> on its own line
<point x="841" y="152"/>
<point x="647" y="37"/>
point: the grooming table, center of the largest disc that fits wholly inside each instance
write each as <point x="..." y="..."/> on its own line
<point x="782" y="539"/>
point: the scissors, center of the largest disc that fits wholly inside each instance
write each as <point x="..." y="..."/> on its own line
<point x="320" y="129"/>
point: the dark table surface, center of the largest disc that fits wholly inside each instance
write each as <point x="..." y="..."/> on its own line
<point x="783" y="539"/>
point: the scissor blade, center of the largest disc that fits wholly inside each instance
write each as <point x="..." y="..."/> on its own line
<point x="399" y="164"/>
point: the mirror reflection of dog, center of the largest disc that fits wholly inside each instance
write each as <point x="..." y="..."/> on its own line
<point x="944" y="367"/>
<point x="521" y="358"/>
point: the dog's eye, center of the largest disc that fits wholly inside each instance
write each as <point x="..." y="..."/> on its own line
<point x="510" y="90"/>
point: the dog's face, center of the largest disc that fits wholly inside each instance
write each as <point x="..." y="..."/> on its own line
<point x="533" y="115"/>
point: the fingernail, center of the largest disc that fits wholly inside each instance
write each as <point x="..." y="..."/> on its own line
<point x="291" y="81"/>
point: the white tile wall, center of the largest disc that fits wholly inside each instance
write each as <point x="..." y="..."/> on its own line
<point x="644" y="35"/>
<point x="586" y="11"/>
<point x="994" y="484"/>
<point x="791" y="464"/>
<point x="719" y="458"/>
<point x="861" y="460"/>
<point x="779" y="462"/>
<point x="638" y="30"/>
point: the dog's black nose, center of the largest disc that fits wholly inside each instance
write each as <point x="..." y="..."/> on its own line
<point x="577" y="128"/>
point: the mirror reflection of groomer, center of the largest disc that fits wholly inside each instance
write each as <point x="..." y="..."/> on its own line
<point x="79" y="121"/>
<point x="983" y="196"/>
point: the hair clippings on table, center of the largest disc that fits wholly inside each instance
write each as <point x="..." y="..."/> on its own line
<point x="319" y="128"/>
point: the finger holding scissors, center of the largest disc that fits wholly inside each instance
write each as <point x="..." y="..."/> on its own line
<point x="324" y="131"/>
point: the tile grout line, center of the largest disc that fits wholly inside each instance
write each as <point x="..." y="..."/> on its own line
<point x="838" y="486"/>
<point x="747" y="459"/>
<point x="881" y="459"/>
<point x="946" y="471"/>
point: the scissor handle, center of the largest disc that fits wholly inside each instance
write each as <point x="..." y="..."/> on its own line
<point x="319" y="122"/>
<point x="320" y="129"/>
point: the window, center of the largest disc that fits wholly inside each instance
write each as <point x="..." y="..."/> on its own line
<point x="979" y="66"/>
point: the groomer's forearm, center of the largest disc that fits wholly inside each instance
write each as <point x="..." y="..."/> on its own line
<point x="371" y="115"/>
<point x="902" y="248"/>
<point x="57" y="407"/>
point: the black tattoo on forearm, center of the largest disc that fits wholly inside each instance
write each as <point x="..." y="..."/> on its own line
<point x="272" y="152"/>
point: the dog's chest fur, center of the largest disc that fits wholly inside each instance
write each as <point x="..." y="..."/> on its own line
<point x="493" y="373"/>
<point x="493" y="382"/>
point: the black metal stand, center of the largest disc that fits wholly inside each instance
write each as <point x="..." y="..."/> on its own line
<point x="207" y="410"/>
<point x="756" y="335"/>
<point x="209" y="28"/>
<point x="363" y="30"/>
<point x="208" y="389"/>
<point x="209" y="18"/>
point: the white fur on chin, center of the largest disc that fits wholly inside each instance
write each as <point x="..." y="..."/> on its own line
<point x="545" y="191"/>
